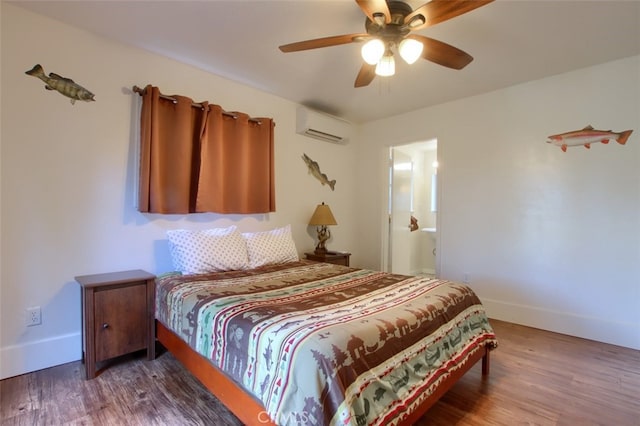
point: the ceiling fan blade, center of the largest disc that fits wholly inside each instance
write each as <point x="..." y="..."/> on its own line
<point x="365" y="76"/>
<point x="371" y="7"/>
<point x="322" y="42"/>
<point x="442" y="53"/>
<point x="437" y="11"/>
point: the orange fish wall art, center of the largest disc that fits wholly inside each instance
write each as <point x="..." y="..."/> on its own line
<point x="587" y="136"/>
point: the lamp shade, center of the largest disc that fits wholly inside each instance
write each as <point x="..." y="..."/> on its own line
<point x="387" y="66"/>
<point x="372" y="51"/>
<point x="410" y="50"/>
<point x="322" y="216"/>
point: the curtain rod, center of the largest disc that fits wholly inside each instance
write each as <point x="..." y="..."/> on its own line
<point x="193" y="104"/>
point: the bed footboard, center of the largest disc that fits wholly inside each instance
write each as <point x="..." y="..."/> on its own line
<point x="244" y="406"/>
<point x="482" y="353"/>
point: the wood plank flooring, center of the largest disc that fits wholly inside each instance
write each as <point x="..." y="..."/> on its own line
<point x="537" y="378"/>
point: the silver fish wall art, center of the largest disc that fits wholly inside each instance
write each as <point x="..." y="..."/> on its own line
<point x="314" y="169"/>
<point x="64" y="85"/>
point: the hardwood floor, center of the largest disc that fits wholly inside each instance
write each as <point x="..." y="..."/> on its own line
<point x="537" y="378"/>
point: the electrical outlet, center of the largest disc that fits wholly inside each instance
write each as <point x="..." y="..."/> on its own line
<point x="34" y="316"/>
<point x="466" y="278"/>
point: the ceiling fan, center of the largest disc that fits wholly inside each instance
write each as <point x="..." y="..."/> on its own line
<point x="391" y="25"/>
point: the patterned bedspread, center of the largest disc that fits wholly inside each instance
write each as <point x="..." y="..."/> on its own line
<point x="323" y="344"/>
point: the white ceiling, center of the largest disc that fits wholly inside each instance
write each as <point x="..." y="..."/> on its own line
<point x="512" y="41"/>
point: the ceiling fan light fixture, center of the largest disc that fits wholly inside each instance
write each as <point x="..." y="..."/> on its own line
<point x="386" y="66"/>
<point x="410" y="50"/>
<point x="388" y="23"/>
<point x="372" y="51"/>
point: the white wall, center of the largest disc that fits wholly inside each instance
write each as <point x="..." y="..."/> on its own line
<point x="67" y="175"/>
<point x="549" y="239"/>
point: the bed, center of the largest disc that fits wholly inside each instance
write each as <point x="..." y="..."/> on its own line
<point x="309" y="343"/>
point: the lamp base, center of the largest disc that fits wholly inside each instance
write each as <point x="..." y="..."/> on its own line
<point x="321" y="250"/>
<point x="323" y="235"/>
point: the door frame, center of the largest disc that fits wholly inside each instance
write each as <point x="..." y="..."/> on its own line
<point x="386" y="225"/>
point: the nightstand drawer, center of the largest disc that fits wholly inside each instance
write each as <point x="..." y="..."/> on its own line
<point x="335" y="257"/>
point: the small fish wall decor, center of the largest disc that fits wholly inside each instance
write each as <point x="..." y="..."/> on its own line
<point x="64" y="85"/>
<point x="314" y="169"/>
<point x="587" y="136"/>
<point x="413" y="224"/>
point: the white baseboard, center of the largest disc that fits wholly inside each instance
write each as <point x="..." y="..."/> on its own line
<point x="32" y="356"/>
<point x="599" y="329"/>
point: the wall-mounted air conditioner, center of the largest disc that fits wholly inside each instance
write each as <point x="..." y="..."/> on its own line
<point x="322" y="126"/>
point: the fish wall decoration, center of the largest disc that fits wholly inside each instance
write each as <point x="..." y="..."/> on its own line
<point x="64" y="85"/>
<point x="587" y="136"/>
<point x="314" y="169"/>
<point x="413" y="224"/>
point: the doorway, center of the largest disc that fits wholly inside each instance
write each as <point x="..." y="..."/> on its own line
<point x="413" y="192"/>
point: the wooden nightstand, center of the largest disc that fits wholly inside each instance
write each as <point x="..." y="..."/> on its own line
<point x="336" y="257"/>
<point x="117" y="316"/>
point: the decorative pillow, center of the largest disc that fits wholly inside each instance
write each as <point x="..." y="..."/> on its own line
<point x="270" y="247"/>
<point x="209" y="250"/>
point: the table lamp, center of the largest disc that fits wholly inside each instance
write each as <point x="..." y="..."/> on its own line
<point x="322" y="217"/>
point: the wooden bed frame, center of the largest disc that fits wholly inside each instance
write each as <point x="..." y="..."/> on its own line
<point x="249" y="410"/>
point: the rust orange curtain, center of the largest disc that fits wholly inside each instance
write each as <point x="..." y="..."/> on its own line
<point x="199" y="158"/>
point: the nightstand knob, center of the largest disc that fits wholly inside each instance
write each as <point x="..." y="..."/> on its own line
<point x="105" y="325"/>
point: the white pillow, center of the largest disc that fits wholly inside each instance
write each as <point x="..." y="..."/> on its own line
<point x="209" y="250"/>
<point x="270" y="247"/>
